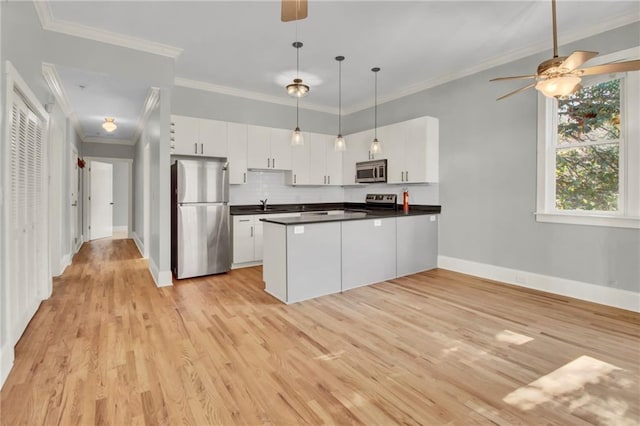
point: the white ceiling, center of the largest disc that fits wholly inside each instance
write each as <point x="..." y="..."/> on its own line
<point x="243" y="45"/>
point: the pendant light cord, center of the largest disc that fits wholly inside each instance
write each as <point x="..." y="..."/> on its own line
<point x="340" y="97"/>
<point x="375" y="108"/>
<point x="297" y="111"/>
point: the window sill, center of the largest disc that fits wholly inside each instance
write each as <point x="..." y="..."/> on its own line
<point x="591" y="220"/>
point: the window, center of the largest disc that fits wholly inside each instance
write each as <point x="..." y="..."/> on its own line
<point x="589" y="153"/>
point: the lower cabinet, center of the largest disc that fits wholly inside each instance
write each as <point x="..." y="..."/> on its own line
<point x="416" y="244"/>
<point x="248" y="238"/>
<point x="368" y="252"/>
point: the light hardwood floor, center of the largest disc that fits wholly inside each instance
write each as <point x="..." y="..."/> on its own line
<point x="432" y="348"/>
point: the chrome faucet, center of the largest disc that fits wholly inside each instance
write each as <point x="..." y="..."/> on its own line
<point x="264" y="204"/>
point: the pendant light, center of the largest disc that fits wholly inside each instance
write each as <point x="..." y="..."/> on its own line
<point x="296" y="137"/>
<point x="339" y="144"/>
<point x="376" y="147"/>
<point x="297" y="89"/>
<point x="109" y="124"/>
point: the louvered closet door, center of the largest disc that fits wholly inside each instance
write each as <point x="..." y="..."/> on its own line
<point x="27" y="251"/>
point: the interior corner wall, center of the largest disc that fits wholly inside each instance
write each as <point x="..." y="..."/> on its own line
<point x="138" y="191"/>
<point x="488" y="177"/>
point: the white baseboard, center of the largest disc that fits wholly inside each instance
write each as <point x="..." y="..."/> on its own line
<point x="246" y="264"/>
<point x="6" y="362"/>
<point x="161" y="278"/>
<point x="579" y="290"/>
<point x="139" y="243"/>
<point x="121" y="229"/>
<point x="66" y="261"/>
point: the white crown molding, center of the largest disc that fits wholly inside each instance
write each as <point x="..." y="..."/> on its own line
<point x="495" y="61"/>
<point x="95" y="139"/>
<point x="49" y="23"/>
<point x="248" y="94"/>
<point x="51" y="76"/>
<point x="153" y="96"/>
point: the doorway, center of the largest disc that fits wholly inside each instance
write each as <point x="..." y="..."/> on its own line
<point x="108" y="199"/>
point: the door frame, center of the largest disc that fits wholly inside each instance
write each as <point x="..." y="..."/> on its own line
<point x="86" y="193"/>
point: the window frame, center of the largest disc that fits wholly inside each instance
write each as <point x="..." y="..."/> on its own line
<point x="628" y="213"/>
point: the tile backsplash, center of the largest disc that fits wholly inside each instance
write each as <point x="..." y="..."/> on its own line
<point x="271" y="184"/>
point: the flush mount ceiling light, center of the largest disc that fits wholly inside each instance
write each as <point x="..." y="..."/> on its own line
<point x="376" y="147"/>
<point x="297" y="89"/>
<point x="340" y="144"/>
<point x="109" y="124"/>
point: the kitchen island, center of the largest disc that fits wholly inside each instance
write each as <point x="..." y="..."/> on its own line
<point x="312" y="256"/>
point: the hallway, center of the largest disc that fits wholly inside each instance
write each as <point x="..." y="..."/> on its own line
<point x="433" y="348"/>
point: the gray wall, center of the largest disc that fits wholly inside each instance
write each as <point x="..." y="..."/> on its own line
<point x="197" y="103"/>
<point x="107" y="150"/>
<point x="488" y="177"/>
<point x="138" y="190"/>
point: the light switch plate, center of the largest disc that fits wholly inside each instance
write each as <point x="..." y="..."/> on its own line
<point x="298" y="229"/>
<point x="432" y="218"/>
<point x="377" y="222"/>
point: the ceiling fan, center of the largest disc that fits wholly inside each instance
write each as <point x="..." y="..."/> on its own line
<point x="293" y="10"/>
<point x="560" y="76"/>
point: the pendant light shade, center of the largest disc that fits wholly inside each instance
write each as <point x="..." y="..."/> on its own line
<point x="109" y="124"/>
<point x="559" y="86"/>
<point x="376" y="146"/>
<point x="297" y="139"/>
<point x="298" y="88"/>
<point x="340" y="144"/>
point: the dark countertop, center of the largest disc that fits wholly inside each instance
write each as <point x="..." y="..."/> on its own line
<point x="318" y="207"/>
<point x="353" y="215"/>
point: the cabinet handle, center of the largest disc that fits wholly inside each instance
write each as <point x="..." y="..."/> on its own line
<point x="245" y="177"/>
<point x="295" y="179"/>
<point x="268" y="163"/>
<point x="329" y="180"/>
<point x="406" y="175"/>
<point x="243" y="220"/>
<point x="201" y="148"/>
<point x="273" y="162"/>
<point x="325" y="180"/>
<point x="401" y="176"/>
<point x="252" y="230"/>
<point x="196" y="147"/>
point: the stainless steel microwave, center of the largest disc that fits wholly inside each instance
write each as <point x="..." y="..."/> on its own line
<point x="371" y="171"/>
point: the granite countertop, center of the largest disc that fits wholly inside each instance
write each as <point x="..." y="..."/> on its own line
<point x="322" y="207"/>
<point x="353" y="215"/>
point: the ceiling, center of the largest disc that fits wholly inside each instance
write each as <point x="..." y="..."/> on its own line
<point x="242" y="46"/>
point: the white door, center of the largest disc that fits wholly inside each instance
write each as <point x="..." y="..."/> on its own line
<point x="101" y="200"/>
<point x="73" y="197"/>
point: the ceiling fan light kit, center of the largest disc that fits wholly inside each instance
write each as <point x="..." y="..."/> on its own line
<point x="560" y="76"/>
<point x="109" y="124"/>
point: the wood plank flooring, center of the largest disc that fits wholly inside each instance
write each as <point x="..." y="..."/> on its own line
<point x="433" y="348"/>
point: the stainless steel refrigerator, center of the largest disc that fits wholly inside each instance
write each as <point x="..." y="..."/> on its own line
<point x="200" y="242"/>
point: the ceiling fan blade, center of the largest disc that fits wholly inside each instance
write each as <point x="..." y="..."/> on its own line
<point x="522" y="89"/>
<point x="515" y="77"/>
<point x="577" y="58"/>
<point x="292" y="10"/>
<point x="611" y="68"/>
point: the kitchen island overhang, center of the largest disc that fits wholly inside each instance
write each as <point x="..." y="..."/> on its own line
<point x="313" y="256"/>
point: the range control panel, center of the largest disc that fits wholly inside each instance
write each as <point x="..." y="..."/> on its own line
<point x="381" y="198"/>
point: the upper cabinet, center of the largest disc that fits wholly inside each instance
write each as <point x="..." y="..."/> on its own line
<point x="358" y="145"/>
<point x="268" y="148"/>
<point x="237" y="148"/>
<point x="411" y="150"/>
<point x="325" y="164"/>
<point x="198" y="136"/>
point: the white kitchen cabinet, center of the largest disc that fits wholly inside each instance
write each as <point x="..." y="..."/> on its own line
<point x="268" y="148"/>
<point x="416" y="244"/>
<point x="243" y="239"/>
<point x="358" y="145"/>
<point x="248" y="237"/>
<point x="325" y="164"/>
<point x="237" y="149"/>
<point x="411" y="151"/>
<point x="198" y="136"/>
<point x="300" y="159"/>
